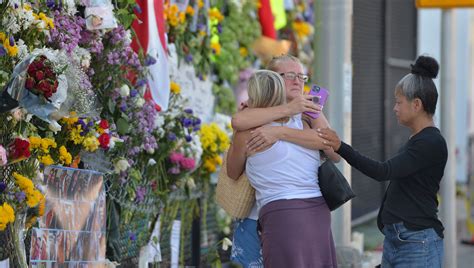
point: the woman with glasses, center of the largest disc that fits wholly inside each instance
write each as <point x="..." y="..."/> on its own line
<point x="246" y="247"/>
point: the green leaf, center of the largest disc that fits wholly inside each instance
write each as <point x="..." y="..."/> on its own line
<point x="122" y="126"/>
<point x="111" y="106"/>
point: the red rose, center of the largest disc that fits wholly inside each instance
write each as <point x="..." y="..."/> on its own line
<point x="20" y="149"/>
<point x="30" y="83"/>
<point x="104" y="140"/>
<point x="31" y="69"/>
<point x="104" y="124"/>
<point x="49" y="73"/>
<point x="55" y="86"/>
<point x="39" y="75"/>
<point x="39" y="65"/>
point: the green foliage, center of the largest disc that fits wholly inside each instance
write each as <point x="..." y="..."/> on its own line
<point x="225" y="99"/>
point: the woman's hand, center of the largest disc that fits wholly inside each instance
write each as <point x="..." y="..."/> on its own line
<point x="301" y="104"/>
<point x="331" y="138"/>
<point x="262" y="138"/>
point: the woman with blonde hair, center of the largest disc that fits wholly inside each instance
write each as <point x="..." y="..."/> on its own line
<point x="289" y="200"/>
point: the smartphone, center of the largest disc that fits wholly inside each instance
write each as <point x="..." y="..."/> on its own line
<point x="320" y="95"/>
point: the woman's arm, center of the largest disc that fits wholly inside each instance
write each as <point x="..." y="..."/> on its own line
<point x="322" y="122"/>
<point x="237" y="154"/>
<point x="265" y="136"/>
<point x="409" y="161"/>
<point x="255" y="117"/>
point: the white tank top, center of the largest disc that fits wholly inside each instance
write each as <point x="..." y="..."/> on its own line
<point x="284" y="171"/>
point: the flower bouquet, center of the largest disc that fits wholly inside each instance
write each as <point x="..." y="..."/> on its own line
<point x="41" y="78"/>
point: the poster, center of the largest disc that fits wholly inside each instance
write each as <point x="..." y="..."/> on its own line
<point x="71" y="232"/>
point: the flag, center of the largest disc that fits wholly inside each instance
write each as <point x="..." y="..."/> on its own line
<point x="266" y="19"/>
<point x="150" y="29"/>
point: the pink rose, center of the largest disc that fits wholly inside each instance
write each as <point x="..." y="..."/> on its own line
<point x="3" y="156"/>
<point x="176" y="158"/>
<point x="188" y="163"/>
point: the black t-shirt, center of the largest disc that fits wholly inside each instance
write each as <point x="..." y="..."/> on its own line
<point x="414" y="173"/>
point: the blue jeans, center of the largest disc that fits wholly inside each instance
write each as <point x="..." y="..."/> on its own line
<point x="410" y="248"/>
<point x="246" y="246"/>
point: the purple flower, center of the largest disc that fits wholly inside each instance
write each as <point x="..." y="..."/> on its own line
<point x="50" y="3"/>
<point x="196" y="128"/>
<point x="188" y="111"/>
<point x="174" y="170"/>
<point x="171" y="136"/>
<point x="141" y="82"/>
<point x="133" y="93"/>
<point x="137" y="9"/>
<point x="187" y="122"/>
<point x="140" y="194"/>
<point x="123" y="107"/>
<point x="188" y="58"/>
<point x="12" y="41"/>
<point x="196" y="121"/>
<point x="132" y="236"/>
<point x="188" y="138"/>
<point x="20" y="196"/>
<point x="3" y="52"/>
<point x="3" y="186"/>
<point x="219" y="28"/>
<point x="149" y="60"/>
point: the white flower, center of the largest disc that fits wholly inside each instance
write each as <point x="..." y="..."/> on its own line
<point x="190" y="183"/>
<point x="124" y="91"/>
<point x="121" y="165"/>
<point x="150" y="151"/>
<point x="226" y="230"/>
<point x="54" y="127"/>
<point x="139" y="102"/>
<point x="226" y="243"/>
<point x="151" y="162"/>
<point x="159" y="121"/>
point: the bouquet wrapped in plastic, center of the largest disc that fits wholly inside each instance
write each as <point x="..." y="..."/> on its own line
<point x="38" y="85"/>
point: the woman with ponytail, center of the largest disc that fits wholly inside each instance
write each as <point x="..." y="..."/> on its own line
<point x="408" y="214"/>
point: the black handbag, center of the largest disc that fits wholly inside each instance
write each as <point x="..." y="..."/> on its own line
<point x="334" y="186"/>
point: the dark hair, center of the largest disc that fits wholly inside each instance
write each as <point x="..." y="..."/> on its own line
<point x="419" y="83"/>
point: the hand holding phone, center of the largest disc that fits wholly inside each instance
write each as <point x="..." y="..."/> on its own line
<point x="320" y="96"/>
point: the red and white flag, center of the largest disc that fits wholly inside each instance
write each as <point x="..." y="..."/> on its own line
<point x="150" y="29"/>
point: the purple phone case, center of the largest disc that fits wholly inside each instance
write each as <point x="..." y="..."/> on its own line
<point x="323" y="96"/>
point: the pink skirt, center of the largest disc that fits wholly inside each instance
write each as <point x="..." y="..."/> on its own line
<point x="297" y="233"/>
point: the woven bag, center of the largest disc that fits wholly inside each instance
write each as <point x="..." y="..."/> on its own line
<point x="236" y="197"/>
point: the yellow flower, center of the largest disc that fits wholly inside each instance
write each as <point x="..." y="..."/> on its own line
<point x="302" y="28"/>
<point x="243" y="51"/>
<point x="175" y="88"/>
<point x="214" y="13"/>
<point x="41" y="207"/>
<point x="202" y="33"/>
<point x="2" y="36"/>
<point x="75" y="135"/>
<point x="12" y="50"/>
<point x="182" y="17"/>
<point x="35" y="142"/>
<point x="23" y="182"/>
<point x="46" y="143"/>
<point x="91" y="144"/>
<point x="26" y="7"/>
<point x="216" y="48"/>
<point x="33" y="197"/>
<point x="174" y="9"/>
<point x="209" y="166"/>
<point x="190" y="11"/>
<point x="200" y="4"/>
<point x="218" y="160"/>
<point x="65" y="156"/>
<point x="47" y="160"/>
<point x="7" y="215"/>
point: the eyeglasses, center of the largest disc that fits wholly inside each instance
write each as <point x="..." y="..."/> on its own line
<point x="292" y="76"/>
